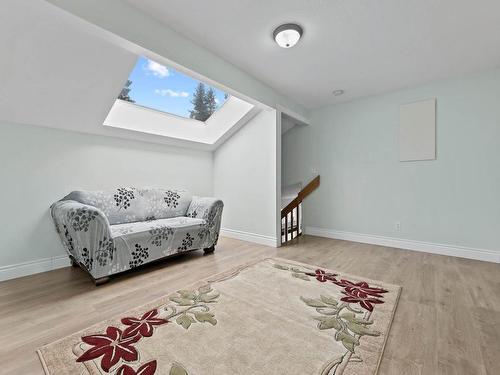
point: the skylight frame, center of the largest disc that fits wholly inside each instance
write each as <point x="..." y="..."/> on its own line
<point x="126" y="116"/>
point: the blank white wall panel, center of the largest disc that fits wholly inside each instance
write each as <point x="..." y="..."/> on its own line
<point x="417" y="131"/>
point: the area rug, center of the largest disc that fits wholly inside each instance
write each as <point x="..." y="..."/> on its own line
<point x="270" y="317"/>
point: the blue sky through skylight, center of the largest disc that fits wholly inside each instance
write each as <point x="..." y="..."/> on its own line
<point x="162" y="88"/>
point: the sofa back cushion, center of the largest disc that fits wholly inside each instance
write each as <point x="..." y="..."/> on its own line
<point x="165" y="203"/>
<point x="122" y="205"/>
<point x="127" y="205"/>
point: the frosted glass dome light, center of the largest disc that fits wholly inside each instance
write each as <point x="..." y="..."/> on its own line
<point x="287" y="35"/>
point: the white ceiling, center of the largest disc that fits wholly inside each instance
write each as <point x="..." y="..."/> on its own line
<point x="365" y="47"/>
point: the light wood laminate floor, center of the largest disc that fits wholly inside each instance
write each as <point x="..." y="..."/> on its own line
<point x="447" y="320"/>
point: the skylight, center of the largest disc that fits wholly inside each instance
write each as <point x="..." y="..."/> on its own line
<point x="158" y="101"/>
<point x="155" y="86"/>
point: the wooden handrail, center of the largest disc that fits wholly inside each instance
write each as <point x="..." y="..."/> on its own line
<point x="292" y="209"/>
<point x="308" y="189"/>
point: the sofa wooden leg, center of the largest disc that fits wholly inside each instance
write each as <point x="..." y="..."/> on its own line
<point x="101" y="280"/>
<point x="209" y="250"/>
<point x="74" y="263"/>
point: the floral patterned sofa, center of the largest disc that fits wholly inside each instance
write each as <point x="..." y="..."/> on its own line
<point x="107" y="232"/>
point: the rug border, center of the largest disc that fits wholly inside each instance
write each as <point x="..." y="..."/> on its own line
<point x="44" y="365"/>
<point x="393" y="313"/>
<point x="220" y="276"/>
<point x="388" y="329"/>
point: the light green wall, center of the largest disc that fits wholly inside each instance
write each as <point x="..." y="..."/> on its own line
<point x="245" y="178"/>
<point x="365" y="189"/>
<point x="41" y="165"/>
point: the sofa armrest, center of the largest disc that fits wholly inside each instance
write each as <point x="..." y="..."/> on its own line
<point x="86" y="235"/>
<point x="210" y="210"/>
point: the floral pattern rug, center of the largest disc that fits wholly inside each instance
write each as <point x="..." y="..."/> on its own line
<point x="274" y="316"/>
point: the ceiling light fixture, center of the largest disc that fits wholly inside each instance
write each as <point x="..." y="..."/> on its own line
<point x="337" y="92"/>
<point x="287" y="35"/>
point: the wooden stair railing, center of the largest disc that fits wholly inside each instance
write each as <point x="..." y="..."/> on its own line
<point x="290" y="215"/>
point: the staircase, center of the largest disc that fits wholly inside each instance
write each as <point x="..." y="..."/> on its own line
<point x="291" y="214"/>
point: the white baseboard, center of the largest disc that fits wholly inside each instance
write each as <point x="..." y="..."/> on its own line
<point x="250" y="237"/>
<point x="427" y="247"/>
<point x="35" y="266"/>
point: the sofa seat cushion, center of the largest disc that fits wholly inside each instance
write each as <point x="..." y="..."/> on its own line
<point x="142" y="242"/>
<point x="152" y="227"/>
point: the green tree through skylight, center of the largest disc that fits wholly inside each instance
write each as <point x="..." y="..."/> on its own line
<point x="124" y="94"/>
<point x="162" y="88"/>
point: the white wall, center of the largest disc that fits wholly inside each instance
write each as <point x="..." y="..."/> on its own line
<point x="453" y="200"/>
<point x="41" y="165"/>
<point x="245" y="179"/>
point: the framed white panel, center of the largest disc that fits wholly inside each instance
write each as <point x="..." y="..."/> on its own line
<point x="417" y="131"/>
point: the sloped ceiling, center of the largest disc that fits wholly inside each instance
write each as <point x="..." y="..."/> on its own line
<point x="53" y="73"/>
<point x="56" y="72"/>
<point x="138" y="31"/>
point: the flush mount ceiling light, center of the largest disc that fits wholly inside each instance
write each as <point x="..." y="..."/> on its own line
<point x="287" y="35"/>
<point x="337" y="92"/>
